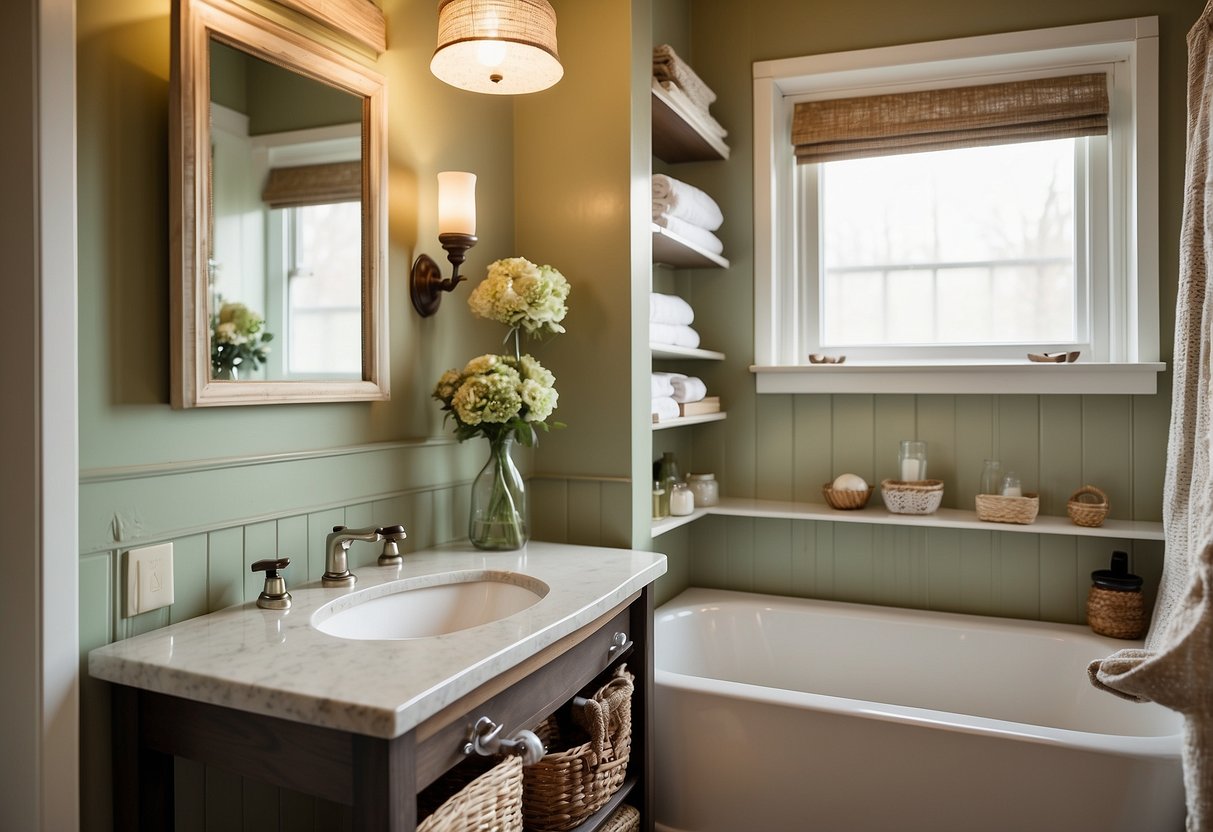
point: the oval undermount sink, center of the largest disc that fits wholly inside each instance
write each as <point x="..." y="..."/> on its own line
<point x="429" y="606"/>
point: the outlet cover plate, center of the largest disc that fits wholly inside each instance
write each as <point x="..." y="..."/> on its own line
<point x="149" y="578"/>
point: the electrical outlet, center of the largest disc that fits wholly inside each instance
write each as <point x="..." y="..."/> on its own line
<point x="149" y="578"/>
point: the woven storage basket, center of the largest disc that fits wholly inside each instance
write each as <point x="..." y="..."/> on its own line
<point x="490" y="803"/>
<point x="846" y="500"/>
<point x="564" y="788"/>
<point x="1088" y="506"/>
<point x="917" y="497"/>
<point x="624" y="819"/>
<point x="995" y="508"/>
<point x="1111" y="612"/>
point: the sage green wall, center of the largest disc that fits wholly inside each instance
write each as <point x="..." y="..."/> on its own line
<point x="230" y="485"/>
<point x="582" y="196"/>
<point x="784" y="447"/>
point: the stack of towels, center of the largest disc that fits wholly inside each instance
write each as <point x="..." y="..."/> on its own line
<point x="687" y="211"/>
<point x="686" y="89"/>
<point x="672" y="389"/>
<point x="670" y="319"/>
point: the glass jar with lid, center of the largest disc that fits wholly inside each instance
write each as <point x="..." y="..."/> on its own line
<point x="705" y="488"/>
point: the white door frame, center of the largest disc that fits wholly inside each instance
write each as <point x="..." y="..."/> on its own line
<point x="39" y="603"/>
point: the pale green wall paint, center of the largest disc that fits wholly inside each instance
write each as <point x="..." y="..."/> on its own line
<point x="581" y="173"/>
<point x="785" y="447"/>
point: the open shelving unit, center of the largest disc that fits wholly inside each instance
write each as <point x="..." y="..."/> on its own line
<point x="677" y="137"/>
<point x="944" y="518"/>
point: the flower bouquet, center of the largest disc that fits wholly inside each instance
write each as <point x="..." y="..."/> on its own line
<point x="506" y="398"/>
<point x="237" y="341"/>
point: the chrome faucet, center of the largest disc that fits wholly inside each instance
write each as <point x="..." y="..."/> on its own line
<point x="337" y="547"/>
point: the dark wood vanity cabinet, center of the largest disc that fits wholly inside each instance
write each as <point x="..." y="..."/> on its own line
<point x="379" y="778"/>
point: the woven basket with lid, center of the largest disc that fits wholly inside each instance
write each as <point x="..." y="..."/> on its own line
<point x="1115" y="606"/>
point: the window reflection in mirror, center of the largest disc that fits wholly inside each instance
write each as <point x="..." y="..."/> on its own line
<point x="285" y="262"/>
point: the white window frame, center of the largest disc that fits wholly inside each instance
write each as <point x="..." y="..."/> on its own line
<point x="1126" y="322"/>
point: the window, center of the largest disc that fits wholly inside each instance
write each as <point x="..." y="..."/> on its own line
<point x="934" y="260"/>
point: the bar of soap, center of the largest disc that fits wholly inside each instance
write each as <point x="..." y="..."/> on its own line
<point x="849" y="482"/>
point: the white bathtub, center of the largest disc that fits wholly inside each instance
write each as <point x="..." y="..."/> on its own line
<point x="787" y="715"/>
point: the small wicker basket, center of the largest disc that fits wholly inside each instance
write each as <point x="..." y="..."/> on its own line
<point x="566" y="787"/>
<point x="912" y="497"/>
<point x="624" y="819"/>
<point x="995" y="508"/>
<point x="491" y="801"/>
<point x="846" y="500"/>
<point x="1115" y="613"/>
<point x="1088" y="506"/>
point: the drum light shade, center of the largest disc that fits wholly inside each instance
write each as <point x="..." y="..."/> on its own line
<point x="500" y="47"/>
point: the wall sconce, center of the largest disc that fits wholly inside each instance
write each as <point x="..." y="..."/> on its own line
<point x="456" y="234"/>
<point x="501" y="47"/>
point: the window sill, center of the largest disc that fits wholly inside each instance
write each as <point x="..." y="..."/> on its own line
<point x="961" y="377"/>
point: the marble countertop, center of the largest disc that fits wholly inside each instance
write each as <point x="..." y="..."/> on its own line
<point x="275" y="663"/>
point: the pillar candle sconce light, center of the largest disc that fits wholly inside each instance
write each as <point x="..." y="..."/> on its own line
<point x="456" y="234"/>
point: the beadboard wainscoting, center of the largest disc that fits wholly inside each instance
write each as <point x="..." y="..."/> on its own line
<point x="586" y="510"/>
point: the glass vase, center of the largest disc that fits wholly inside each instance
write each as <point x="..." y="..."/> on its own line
<point x="498" y="518"/>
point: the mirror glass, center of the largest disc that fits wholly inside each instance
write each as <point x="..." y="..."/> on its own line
<point x="278" y="184"/>
<point x="285" y="261"/>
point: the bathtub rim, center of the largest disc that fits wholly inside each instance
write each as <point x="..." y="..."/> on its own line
<point x="1165" y="746"/>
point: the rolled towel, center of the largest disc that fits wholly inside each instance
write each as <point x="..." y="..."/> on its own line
<point x="667" y="66"/>
<point x="661" y="386"/>
<point x="692" y="233"/>
<point x="675" y="198"/>
<point x="673" y="335"/>
<point x="689" y="389"/>
<point x="665" y="408"/>
<point x="670" y="309"/>
<point x="691" y="111"/>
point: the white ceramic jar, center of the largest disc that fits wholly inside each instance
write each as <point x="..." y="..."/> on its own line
<point x="705" y="488"/>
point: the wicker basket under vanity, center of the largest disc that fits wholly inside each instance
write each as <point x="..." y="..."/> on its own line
<point x="566" y="787"/>
<point x="492" y="801"/>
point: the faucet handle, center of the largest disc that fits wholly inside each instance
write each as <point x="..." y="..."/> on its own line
<point x="391" y="535"/>
<point x="274" y="595"/>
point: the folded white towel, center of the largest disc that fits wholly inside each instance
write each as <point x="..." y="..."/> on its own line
<point x="667" y="66"/>
<point x="692" y="233"/>
<point x="689" y="389"/>
<point x="691" y="111"/>
<point x="670" y="309"/>
<point x="665" y="408"/>
<point x="675" y="198"/>
<point x="673" y="335"/>
<point x="661" y="386"/>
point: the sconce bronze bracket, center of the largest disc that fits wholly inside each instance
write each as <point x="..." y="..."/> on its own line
<point x="426" y="284"/>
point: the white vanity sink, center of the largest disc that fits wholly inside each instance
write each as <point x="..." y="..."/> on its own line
<point x="437" y="604"/>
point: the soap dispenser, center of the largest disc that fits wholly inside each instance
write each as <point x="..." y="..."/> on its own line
<point x="1115" y="606"/>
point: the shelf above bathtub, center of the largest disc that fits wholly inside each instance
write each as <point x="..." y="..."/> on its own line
<point x="945" y="518"/>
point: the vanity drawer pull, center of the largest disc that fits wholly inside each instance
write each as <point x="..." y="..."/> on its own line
<point x="619" y="643"/>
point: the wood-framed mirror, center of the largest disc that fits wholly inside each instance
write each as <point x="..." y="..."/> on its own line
<point x="278" y="195"/>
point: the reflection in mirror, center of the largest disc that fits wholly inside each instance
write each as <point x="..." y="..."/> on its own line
<point x="281" y="167"/>
<point x="285" y="264"/>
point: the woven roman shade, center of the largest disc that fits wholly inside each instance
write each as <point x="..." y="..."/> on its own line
<point x="313" y="185"/>
<point x="913" y="122"/>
